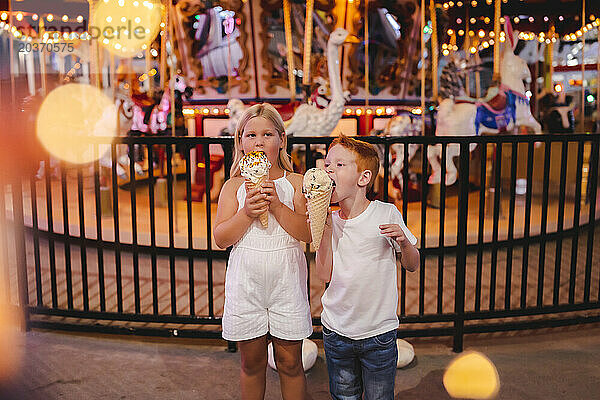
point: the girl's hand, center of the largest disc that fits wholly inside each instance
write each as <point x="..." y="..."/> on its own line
<point x="393" y="231"/>
<point x="256" y="202"/>
<point x="269" y="190"/>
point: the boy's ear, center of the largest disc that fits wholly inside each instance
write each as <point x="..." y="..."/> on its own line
<point x="365" y="178"/>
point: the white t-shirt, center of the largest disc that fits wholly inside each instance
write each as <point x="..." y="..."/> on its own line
<point x="362" y="297"/>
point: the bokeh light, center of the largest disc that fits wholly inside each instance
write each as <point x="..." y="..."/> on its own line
<point x="68" y="119"/>
<point x="115" y="24"/>
<point x="471" y="376"/>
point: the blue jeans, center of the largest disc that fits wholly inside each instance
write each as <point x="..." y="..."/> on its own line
<point x="361" y="366"/>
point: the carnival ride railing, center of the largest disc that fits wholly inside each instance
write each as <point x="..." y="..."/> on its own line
<point x="71" y="275"/>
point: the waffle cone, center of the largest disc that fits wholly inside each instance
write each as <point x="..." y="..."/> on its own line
<point x="318" y="206"/>
<point x="264" y="217"/>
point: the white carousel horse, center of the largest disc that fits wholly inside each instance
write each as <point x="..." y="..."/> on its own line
<point x="401" y="125"/>
<point x="505" y="111"/>
<point x="236" y="109"/>
<point x="309" y="120"/>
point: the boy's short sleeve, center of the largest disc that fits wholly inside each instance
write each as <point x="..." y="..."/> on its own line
<point x="396" y="218"/>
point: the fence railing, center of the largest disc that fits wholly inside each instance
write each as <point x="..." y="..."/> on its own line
<point x="118" y="246"/>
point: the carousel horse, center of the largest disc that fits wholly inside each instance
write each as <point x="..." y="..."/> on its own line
<point x="557" y="112"/>
<point x="507" y="109"/>
<point x="401" y="125"/>
<point x="154" y="119"/>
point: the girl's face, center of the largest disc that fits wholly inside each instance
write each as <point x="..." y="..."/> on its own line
<point x="260" y="134"/>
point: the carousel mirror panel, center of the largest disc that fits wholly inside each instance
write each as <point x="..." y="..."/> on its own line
<point x="274" y="48"/>
<point x="212" y="44"/>
<point x="390" y="29"/>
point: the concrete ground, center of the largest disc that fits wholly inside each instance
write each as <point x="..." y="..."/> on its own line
<point x="558" y="363"/>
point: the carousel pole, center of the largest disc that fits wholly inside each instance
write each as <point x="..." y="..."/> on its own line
<point x="94" y="49"/>
<point x="422" y="68"/>
<point x="172" y="66"/>
<point x="467" y="47"/>
<point x="42" y="56"/>
<point x="598" y="80"/>
<point x="550" y="58"/>
<point x="583" y="67"/>
<point x="308" y="31"/>
<point x="163" y="46"/>
<point x="228" y="24"/>
<point x="366" y="61"/>
<point x="287" y="22"/>
<point x="497" y="9"/>
<point x="537" y="73"/>
<point x="112" y="75"/>
<point x="434" y="50"/>
<point x="173" y="113"/>
<point x="148" y="57"/>
<point x="11" y="51"/>
<point x="477" y="77"/>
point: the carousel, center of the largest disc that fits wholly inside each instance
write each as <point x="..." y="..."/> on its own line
<point x="399" y="73"/>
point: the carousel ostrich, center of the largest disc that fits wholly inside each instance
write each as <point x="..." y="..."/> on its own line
<point x="309" y="120"/>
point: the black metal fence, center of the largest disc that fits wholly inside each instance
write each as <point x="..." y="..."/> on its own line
<point x="114" y="247"/>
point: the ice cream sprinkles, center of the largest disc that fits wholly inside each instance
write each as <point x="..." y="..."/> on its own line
<point x="254" y="166"/>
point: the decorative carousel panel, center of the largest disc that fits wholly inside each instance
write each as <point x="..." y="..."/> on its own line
<point x="274" y="48"/>
<point x="391" y="26"/>
<point x="212" y="43"/>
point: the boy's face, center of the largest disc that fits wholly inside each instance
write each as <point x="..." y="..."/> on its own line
<point x="340" y="164"/>
<point x="260" y="134"/>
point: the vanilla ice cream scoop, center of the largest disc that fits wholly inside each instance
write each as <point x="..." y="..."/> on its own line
<point x="254" y="166"/>
<point x="317" y="188"/>
<point x="316" y="181"/>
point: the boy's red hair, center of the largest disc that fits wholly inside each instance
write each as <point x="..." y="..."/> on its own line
<point x="366" y="155"/>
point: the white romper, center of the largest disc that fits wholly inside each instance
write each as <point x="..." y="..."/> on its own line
<point x="265" y="283"/>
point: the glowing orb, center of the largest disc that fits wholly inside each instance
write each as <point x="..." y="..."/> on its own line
<point x="69" y="118"/>
<point x="123" y="27"/>
<point x="472" y="376"/>
<point x="309" y="355"/>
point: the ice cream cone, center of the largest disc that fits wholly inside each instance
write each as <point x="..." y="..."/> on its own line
<point x="264" y="217"/>
<point x="317" y="187"/>
<point x="318" y="206"/>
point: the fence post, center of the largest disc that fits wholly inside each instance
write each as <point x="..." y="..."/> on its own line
<point x="19" y="232"/>
<point x="461" y="248"/>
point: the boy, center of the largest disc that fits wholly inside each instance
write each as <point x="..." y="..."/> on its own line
<point x="357" y="257"/>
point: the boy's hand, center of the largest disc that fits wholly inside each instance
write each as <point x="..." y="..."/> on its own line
<point x="269" y="190"/>
<point x="393" y="231"/>
<point x="256" y="202"/>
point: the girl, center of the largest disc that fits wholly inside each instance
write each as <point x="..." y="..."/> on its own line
<point x="265" y="283"/>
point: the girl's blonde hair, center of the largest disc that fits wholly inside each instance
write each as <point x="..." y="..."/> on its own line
<point x="268" y="112"/>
